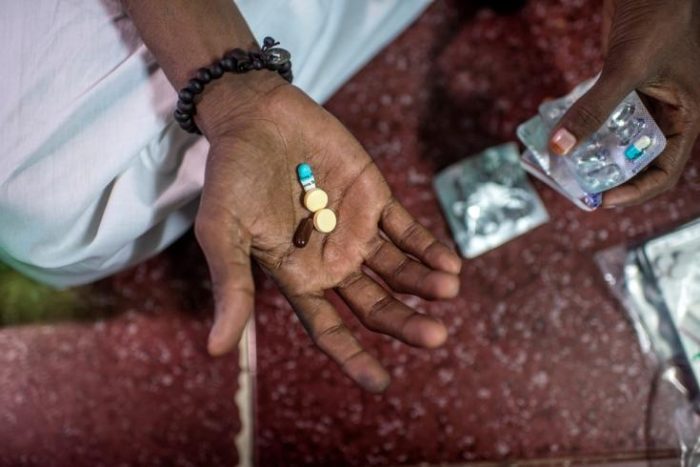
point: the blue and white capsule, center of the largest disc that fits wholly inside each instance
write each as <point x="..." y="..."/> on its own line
<point x="637" y="148"/>
<point x="306" y="176"/>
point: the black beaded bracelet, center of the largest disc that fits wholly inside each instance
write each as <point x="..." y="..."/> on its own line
<point x="236" y="61"/>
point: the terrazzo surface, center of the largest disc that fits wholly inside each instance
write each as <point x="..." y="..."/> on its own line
<point x="541" y="361"/>
<point x="132" y="386"/>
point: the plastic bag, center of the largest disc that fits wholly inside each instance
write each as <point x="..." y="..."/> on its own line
<point x="658" y="282"/>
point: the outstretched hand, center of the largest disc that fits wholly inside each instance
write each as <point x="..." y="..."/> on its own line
<point x="251" y="206"/>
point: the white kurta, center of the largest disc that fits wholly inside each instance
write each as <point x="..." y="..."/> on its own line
<point x="94" y="174"/>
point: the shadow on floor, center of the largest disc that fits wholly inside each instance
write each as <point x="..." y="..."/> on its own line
<point x="476" y="100"/>
<point x="179" y="274"/>
<point x="24" y="301"/>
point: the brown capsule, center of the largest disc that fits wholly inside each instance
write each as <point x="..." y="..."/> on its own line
<point x="303" y="233"/>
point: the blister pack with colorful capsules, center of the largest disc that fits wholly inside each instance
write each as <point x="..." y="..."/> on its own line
<point x="628" y="141"/>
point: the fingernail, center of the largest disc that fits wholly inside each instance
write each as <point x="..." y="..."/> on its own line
<point x="562" y="142"/>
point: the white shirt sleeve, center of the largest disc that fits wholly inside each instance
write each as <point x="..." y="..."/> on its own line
<point x="94" y="174"/>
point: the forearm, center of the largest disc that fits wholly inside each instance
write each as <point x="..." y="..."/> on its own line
<point x="185" y="35"/>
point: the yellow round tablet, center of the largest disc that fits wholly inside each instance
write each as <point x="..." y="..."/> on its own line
<point x="324" y="221"/>
<point x="315" y="199"/>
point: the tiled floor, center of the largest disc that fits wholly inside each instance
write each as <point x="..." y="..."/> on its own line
<point x="541" y="362"/>
<point x="133" y="387"/>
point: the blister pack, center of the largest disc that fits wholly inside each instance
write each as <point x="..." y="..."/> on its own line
<point x="488" y="200"/>
<point x="628" y="141"/>
<point x="559" y="179"/>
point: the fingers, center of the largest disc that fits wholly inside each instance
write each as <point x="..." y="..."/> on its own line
<point x="642" y="188"/>
<point x="379" y="311"/>
<point x="592" y="110"/>
<point x="406" y="275"/>
<point x="415" y="239"/>
<point x="660" y="177"/>
<point x="607" y="13"/>
<point x="330" y="334"/>
<point x="227" y="251"/>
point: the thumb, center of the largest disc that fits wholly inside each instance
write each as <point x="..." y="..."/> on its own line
<point x="591" y="111"/>
<point x="228" y="255"/>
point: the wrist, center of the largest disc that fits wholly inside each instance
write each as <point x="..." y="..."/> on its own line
<point x="229" y="99"/>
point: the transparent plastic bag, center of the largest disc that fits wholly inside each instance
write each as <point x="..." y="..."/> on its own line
<point x="658" y="283"/>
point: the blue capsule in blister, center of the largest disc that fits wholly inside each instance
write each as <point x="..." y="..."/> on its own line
<point x="635" y="150"/>
<point x="614" y="148"/>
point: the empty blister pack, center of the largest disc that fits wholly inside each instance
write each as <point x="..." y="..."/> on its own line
<point x="553" y="110"/>
<point x="553" y="170"/>
<point x="628" y="141"/>
<point x="488" y="200"/>
<point x="559" y="178"/>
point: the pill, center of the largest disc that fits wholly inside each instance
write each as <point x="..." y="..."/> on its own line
<point x="315" y="199"/>
<point x="306" y="176"/>
<point x="636" y="149"/>
<point x="324" y="220"/>
<point x="303" y="233"/>
<point x="642" y="143"/>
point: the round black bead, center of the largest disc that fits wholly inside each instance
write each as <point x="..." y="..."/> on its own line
<point x="185" y="107"/>
<point x="257" y="64"/>
<point x="237" y="55"/>
<point x="188" y="126"/>
<point x="216" y="71"/>
<point x="244" y="66"/>
<point x="182" y="116"/>
<point x="185" y="95"/>
<point x="203" y="75"/>
<point x="228" y="64"/>
<point x="195" y="86"/>
<point x="268" y="42"/>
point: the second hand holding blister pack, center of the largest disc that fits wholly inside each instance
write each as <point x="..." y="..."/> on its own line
<point x="628" y="141"/>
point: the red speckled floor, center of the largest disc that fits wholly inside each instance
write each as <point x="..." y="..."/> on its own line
<point x="135" y="387"/>
<point x="541" y="362"/>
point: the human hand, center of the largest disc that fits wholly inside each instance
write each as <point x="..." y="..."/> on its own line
<point x="652" y="46"/>
<point x="251" y="206"/>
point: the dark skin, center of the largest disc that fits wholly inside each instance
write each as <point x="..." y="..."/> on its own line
<point x="260" y="128"/>
<point x="652" y="46"/>
<point x="258" y="217"/>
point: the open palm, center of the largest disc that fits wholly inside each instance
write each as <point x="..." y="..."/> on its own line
<point x="251" y="206"/>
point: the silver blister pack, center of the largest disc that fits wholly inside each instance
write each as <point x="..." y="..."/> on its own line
<point x="488" y="200"/>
